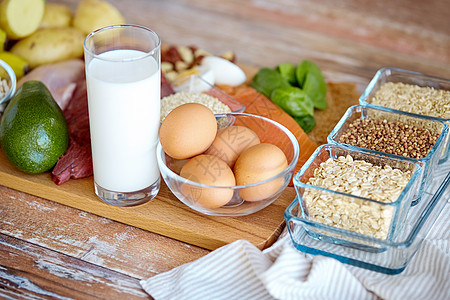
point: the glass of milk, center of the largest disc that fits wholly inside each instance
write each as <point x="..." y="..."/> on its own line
<point x="123" y="81"/>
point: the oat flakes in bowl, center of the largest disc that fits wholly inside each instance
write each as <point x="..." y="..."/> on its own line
<point x="364" y="195"/>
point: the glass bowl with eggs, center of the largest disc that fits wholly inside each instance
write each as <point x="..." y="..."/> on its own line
<point x="228" y="164"/>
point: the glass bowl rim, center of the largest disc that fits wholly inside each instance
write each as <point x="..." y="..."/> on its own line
<point x="414" y="176"/>
<point x="377" y="77"/>
<point x="12" y="78"/>
<point x="404" y="242"/>
<point x="445" y="130"/>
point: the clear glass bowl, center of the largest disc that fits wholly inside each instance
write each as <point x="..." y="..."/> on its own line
<point x="196" y="83"/>
<point x="397" y="252"/>
<point x="350" y="209"/>
<point x="7" y="73"/>
<point x="385" y="75"/>
<point x="428" y="163"/>
<point x="268" y="131"/>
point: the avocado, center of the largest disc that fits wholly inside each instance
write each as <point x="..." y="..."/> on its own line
<point x="33" y="129"/>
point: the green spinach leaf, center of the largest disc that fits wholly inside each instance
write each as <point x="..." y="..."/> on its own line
<point x="304" y="68"/>
<point x="307" y="123"/>
<point x="287" y="70"/>
<point x="293" y="100"/>
<point x="316" y="88"/>
<point x="267" y="80"/>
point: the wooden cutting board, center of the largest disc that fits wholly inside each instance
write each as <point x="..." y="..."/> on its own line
<point x="165" y="214"/>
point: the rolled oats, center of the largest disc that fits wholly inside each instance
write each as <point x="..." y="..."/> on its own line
<point x="358" y="178"/>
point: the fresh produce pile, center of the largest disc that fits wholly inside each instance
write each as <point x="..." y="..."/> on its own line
<point x="34" y="32"/>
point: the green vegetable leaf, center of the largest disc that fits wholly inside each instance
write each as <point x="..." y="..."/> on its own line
<point x="267" y="80"/>
<point x="287" y="70"/>
<point x="304" y="68"/>
<point x="307" y="123"/>
<point x="316" y="88"/>
<point x="311" y="80"/>
<point x="293" y="100"/>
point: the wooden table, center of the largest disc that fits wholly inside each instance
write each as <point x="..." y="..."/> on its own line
<point x="48" y="250"/>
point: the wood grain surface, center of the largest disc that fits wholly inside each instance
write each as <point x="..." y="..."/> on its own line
<point x="53" y="251"/>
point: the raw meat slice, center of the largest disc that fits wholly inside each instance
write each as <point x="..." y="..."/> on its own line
<point x="60" y="78"/>
<point x="77" y="161"/>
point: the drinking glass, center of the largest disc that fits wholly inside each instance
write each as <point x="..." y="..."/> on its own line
<point x="123" y="81"/>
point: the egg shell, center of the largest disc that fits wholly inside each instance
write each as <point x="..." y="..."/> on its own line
<point x="231" y="141"/>
<point x="256" y="164"/>
<point x="225" y="72"/>
<point x="188" y="130"/>
<point x="209" y="170"/>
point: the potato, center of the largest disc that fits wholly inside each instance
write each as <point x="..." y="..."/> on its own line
<point x="56" y="15"/>
<point x="49" y="45"/>
<point x="94" y="14"/>
<point x="20" y="18"/>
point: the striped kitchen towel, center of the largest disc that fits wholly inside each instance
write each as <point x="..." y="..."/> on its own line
<point x="241" y="271"/>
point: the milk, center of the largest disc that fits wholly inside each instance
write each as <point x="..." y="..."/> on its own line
<point x="124" y="114"/>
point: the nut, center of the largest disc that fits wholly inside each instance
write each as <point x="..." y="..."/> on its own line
<point x="166" y="67"/>
<point x="201" y="52"/>
<point x="187" y="55"/>
<point x="171" y="75"/>
<point x="181" y="66"/>
<point x="229" y="55"/>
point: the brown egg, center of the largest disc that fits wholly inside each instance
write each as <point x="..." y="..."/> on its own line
<point x="256" y="164"/>
<point x="231" y="141"/>
<point x="209" y="170"/>
<point x="188" y="130"/>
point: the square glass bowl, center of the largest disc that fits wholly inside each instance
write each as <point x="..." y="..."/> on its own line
<point x="394" y="75"/>
<point x="398" y="252"/>
<point x="342" y="217"/>
<point x="428" y="163"/>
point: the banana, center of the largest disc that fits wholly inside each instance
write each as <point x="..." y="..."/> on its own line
<point x="3" y="40"/>
<point x="19" y="65"/>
